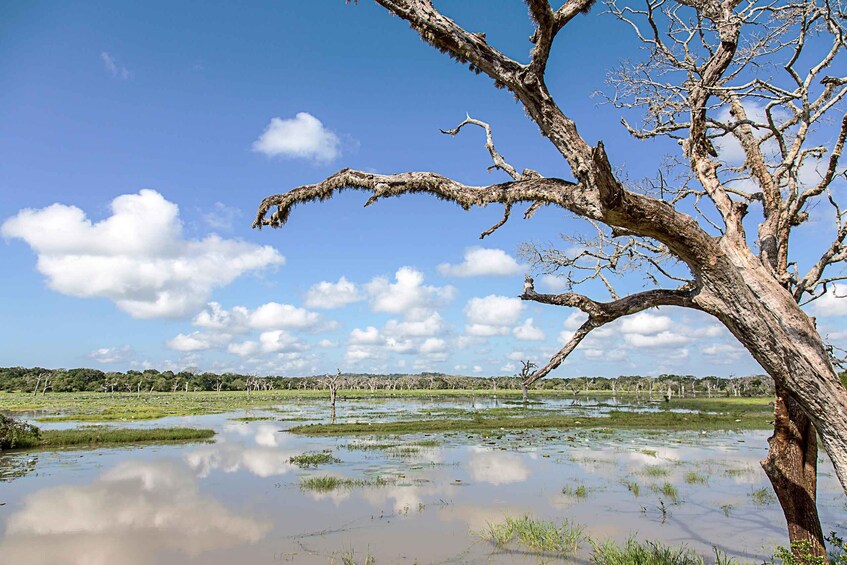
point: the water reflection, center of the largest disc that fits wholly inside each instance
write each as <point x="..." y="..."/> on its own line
<point x="132" y="511"/>
<point x="496" y="467"/>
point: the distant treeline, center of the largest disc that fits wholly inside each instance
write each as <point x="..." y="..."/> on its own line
<point x="37" y="380"/>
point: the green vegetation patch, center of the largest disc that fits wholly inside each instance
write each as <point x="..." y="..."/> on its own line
<point x="117" y="436"/>
<point x="616" y="420"/>
<point x="313" y="459"/>
<point x="15" y="434"/>
<point x="541" y="536"/>
<point x="648" y="553"/>
<point x="327" y="483"/>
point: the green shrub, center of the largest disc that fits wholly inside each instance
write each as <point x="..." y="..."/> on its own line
<point x="17" y="435"/>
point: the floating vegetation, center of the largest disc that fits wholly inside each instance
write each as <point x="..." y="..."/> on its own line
<point x="115" y="436"/>
<point x="313" y="459"/>
<point x="668" y="491"/>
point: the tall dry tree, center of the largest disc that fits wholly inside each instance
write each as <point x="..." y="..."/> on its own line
<point x="764" y="75"/>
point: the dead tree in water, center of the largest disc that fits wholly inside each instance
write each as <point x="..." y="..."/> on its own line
<point x="526" y="377"/>
<point x="715" y="72"/>
<point x="332" y="383"/>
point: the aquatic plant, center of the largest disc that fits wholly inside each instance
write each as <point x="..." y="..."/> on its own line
<point x="542" y="536"/>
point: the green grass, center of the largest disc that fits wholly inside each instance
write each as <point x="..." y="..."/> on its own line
<point x="327" y="483"/>
<point x="540" y="536"/>
<point x="313" y="459"/>
<point x="648" y="553"/>
<point x="762" y="496"/>
<point x="668" y="491"/>
<point x="632" y="487"/>
<point x="656" y="471"/>
<point x="695" y="478"/>
<point x="118" y="436"/>
<point x="580" y="491"/>
<point x="752" y="413"/>
<point x="616" y="420"/>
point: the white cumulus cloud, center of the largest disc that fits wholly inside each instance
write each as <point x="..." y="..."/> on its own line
<point x="107" y="355"/>
<point x="528" y="331"/>
<point x="492" y="315"/>
<point x="332" y="295"/>
<point x="303" y="137"/>
<point x="137" y="257"/>
<point x="407" y="293"/>
<point x="481" y="261"/>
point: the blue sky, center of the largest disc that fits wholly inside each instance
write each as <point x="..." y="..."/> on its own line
<point x="137" y="139"/>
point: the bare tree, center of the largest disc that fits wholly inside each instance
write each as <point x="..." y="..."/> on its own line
<point x="332" y="383"/>
<point x="526" y="377"/>
<point x="714" y="71"/>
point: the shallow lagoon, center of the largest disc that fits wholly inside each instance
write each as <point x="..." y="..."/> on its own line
<point x="239" y="499"/>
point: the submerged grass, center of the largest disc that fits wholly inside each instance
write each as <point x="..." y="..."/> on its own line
<point x="328" y="483"/>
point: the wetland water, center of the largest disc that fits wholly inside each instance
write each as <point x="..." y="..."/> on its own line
<point x="421" y="498"/>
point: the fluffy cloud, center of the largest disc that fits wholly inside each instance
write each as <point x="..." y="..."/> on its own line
<point x="303" y="137"/>
<point x="274" y="316"/>
<point x="332" y="295"/>
<point x="108" y="355"/>
<point x="528" y="332"/>
<point x="661" y="339"/>
<point x="407" y="293"/>
<point x="645" y="324"/>
<point x="195" y="341"/>
<point x="833" y="303"/>
<point x="492" y="315"/>
<point x="480" y="261"/>
<point x="430" y="326"/>
<point x="137" y="257"/>
<point x="369" y="336"/>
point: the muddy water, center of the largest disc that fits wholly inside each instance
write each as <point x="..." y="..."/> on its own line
<point x="239" y="500"/>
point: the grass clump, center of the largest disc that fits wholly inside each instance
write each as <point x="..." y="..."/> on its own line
<point x="668" y="490"/>
<point x="695" y="478"/>
<point x="313" y="459"/>
<point x="580" y="491"/>
<point x="15" y="434"/>
<point x="117" y="436"/>
<point x="648" y="553"/>
<point x="542" y="536"/>
<point x="632" y="487"/>
<point x="327" y="483"/>
<point x="655" y="471"/>
<point x="762" y="496"/>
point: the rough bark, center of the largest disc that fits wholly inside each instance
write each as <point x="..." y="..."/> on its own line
<point x="791" y="466"/>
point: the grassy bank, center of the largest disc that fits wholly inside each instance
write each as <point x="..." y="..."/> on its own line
<point x="91" y="437"/>
<point x="100" y="407"/>
<point x="749" y="419"/>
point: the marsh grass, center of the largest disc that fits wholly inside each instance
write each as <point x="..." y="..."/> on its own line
<point x="327" y="483"/>
<point x="648" y="553"/>
<point x="762" y="496"/>
<point x="655" y="471"/>
<point x="579" y="491"/>
<point x="695" y="478"/>
<point x="115" y="436"/>
<point x="313" y="459"/>
<point x="632" y="486"/>
<point x="668" y="491"/>
<point x="541" y="536"/>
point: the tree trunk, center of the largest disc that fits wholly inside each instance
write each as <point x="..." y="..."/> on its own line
<point x="523" y="392"/>
<point x="791" y="466"/>
<point x="765" y="318"/>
